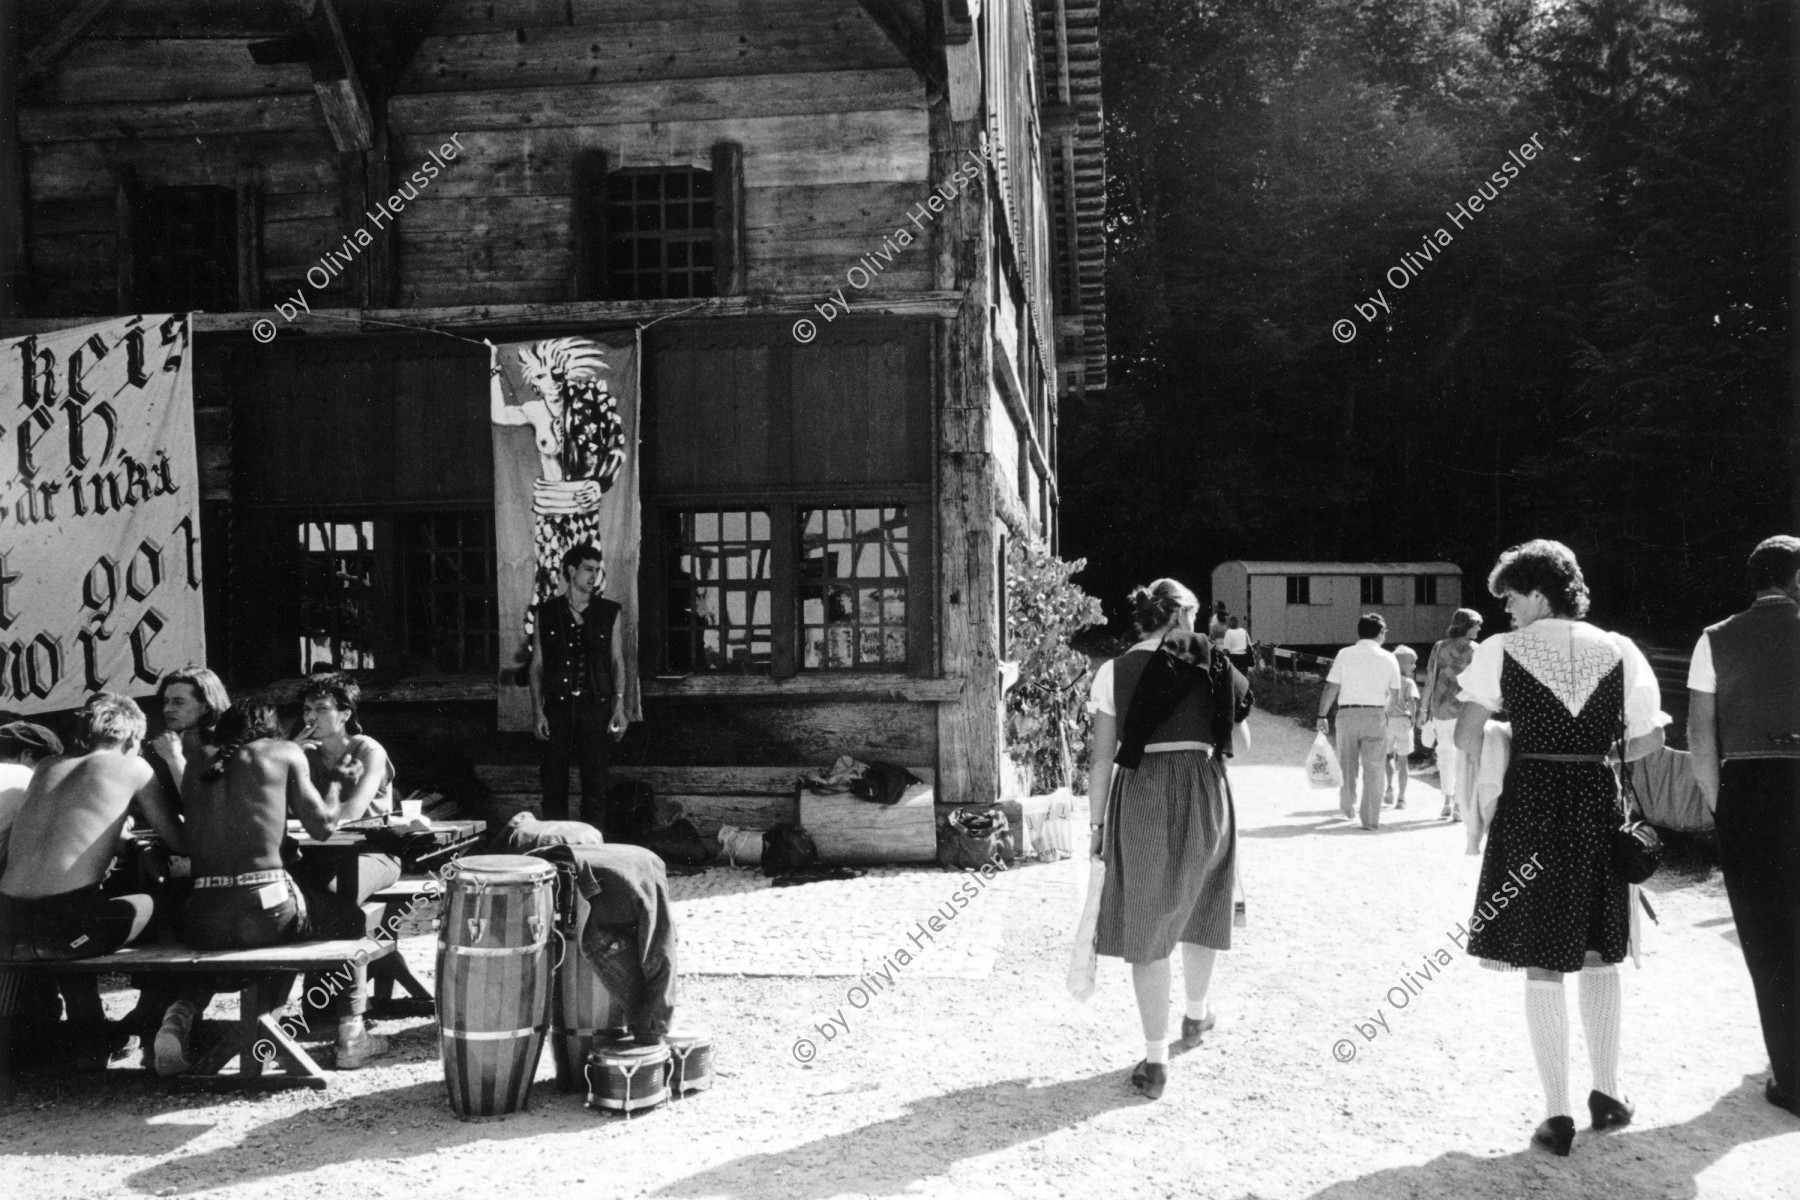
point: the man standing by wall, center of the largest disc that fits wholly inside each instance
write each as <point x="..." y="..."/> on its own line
<point x="1362" y="679"/>
<point x="1744" y="734"/>
<point x="577" y="703"/>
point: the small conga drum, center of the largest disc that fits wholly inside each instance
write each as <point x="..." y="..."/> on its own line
<point x="690" y="1059"/>
<point x="624" y="1077"/>
<point x="494" y="980"/>
<point x="582" y="1010"/>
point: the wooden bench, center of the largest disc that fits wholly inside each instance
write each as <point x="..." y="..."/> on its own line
<point x="264" y="979"/>
<point x="747" y="797"/>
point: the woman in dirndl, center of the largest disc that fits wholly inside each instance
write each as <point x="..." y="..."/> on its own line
<point x="1165" y="827"/>
<point x="1549" y="900"/>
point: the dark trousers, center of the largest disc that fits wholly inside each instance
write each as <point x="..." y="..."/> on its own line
<point x="1759" y="851"/>
<point x="235" y="918"/>
<point x="577" y="735"/>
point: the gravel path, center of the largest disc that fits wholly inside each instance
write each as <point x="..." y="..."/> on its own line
<point x="1003" y="1086"/>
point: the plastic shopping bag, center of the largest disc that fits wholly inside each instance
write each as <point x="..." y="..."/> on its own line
<point x="1083" y="962"/>
<point x="1322" y="765"/>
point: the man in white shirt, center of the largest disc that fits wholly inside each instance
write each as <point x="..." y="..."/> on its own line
<point x="1362" y="680"/>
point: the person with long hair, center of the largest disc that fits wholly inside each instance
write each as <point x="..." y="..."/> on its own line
<point x="1449" y="658"/>
<point x="1549" y="900"/>
<point x="1162" y="819"/>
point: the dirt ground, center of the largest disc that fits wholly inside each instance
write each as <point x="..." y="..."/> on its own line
<point x="1004" y="1086"/>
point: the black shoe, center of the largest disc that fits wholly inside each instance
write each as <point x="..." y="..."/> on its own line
<point x="1558" y="1133"/>
<point x="1609" y="1113"/>
<point x="1150" y="1078"/>
<point x="1192" y="1030"/>
<point x="1781" y="1098"/>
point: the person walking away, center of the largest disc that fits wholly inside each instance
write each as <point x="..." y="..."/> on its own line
<point x="1744" y="735"/>
<point x="1402" y="719"/>
<point x="1362" y="681"/>
<point x="1163" y="818"/>
<point x="1449" y="658"/>
<point x="1548" y="900"/>
<point x="1217" y="623"/>
<point x="1236" y="643"/>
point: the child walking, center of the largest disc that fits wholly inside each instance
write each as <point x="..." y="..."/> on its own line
<point x="1402" y="719"/>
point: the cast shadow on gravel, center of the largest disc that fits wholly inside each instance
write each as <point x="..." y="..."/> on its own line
<point x="1621" y="1163"/>
<point x="878" y="1159"/>
<point x="1337" y="824"/>
<point x="369" y="1128"/>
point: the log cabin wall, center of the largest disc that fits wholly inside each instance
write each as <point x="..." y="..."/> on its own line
<point x="825" y="130"/>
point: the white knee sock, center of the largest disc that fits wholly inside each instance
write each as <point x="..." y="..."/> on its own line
<point x="1157" y="1052"/>
<point x="1601" y="1002"/>
<point x="1547" y="1018"/>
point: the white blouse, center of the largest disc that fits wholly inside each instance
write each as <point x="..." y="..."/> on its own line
<point x="1569" y="658"/>
<point x="1100" y="692"/>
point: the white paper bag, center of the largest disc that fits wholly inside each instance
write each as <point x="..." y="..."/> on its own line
<point x="1083" y="962"/>
<point x="1322" y="764"/>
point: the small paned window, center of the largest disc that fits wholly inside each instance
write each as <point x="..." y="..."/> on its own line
<point x="450" y="593"/>
<point x="185" y="243"/>
<point x="337" y="595"/>
<point x="1425" y="589"/>
<point x="1372" y="589"/>
<point x="853" y="585"/>
<point x="720" y="601"/>
<point x="1299" y="589"/>
<point x="659" y="234"/>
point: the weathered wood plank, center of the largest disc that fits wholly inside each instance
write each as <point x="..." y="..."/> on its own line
<point x="195" y="19"/>
<point x="840" y="38"/>
<point x="850" y="830"/>
<point x="302" y="161"/>
<point x="862" y="147"/>
<point x="664" y="780"/>
<point x="784" y="95"/>
<point x="186" y="118"/>
<point x="349" y="322"/>
<point x="487" y="16"/>
<point x="170" y="69"/>
<point x="76" y="25"/>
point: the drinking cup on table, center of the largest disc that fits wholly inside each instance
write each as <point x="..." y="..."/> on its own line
<point x="412" y="810"/>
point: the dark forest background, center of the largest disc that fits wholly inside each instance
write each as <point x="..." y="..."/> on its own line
<point x="1601" y="356"/>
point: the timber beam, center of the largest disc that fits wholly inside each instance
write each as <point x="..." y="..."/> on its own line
<point x="59" y="41"/>
<point x="335" y="80"/>
<point x="340" y="322"/>
<point x="905" y="24"/>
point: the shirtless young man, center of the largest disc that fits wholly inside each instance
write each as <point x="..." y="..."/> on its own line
<point x="192" y="700"/>
<point x="66" y="833"/>
<point x="61" y="844"/>
<point x="237" y="806"/>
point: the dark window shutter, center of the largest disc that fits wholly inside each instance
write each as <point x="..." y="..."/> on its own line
<point x="590" y="225"/>
<point x="729" y="274"/>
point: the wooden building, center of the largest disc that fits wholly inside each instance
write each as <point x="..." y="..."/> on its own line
<point x="1317" y="603"/>
<point x="713" y="171"/>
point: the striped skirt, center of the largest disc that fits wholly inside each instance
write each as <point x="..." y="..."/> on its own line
<point x="1171" y="858"/>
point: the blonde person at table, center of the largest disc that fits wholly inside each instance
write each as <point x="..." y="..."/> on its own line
<point x="238" y="807"/>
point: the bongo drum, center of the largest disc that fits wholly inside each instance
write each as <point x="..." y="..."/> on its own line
<point x="690" y="1059"/>
<point x="582" y="1010"/>
<point x="624" y="1077"/>
<point x="494" y="981"/>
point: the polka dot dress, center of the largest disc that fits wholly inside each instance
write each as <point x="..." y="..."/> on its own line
<point x="1559" y="817"/>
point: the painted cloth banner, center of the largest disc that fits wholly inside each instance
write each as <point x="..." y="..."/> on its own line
<point x="565" y="419"/>
<point x="99" y="512"/>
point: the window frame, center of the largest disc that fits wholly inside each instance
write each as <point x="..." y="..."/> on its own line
<point x="784" y="506"/>
<point x="1372" y="589"/>
<point x="1299" y="591"/>
<point x="1425" y="590"/>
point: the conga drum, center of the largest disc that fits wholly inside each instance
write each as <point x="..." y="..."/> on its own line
<point x="494" y="980"/>
<point x="690" y="1059"/>
<point x="582" y="1010"/>
<point x="624" y="1077"/>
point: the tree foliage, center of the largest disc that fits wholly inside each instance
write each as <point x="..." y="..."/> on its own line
<point x="1046" y="709"/>
<point x="1599" y="355"/>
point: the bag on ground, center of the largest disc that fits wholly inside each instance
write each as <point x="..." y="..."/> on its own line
<point x="1322" y="765"/>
